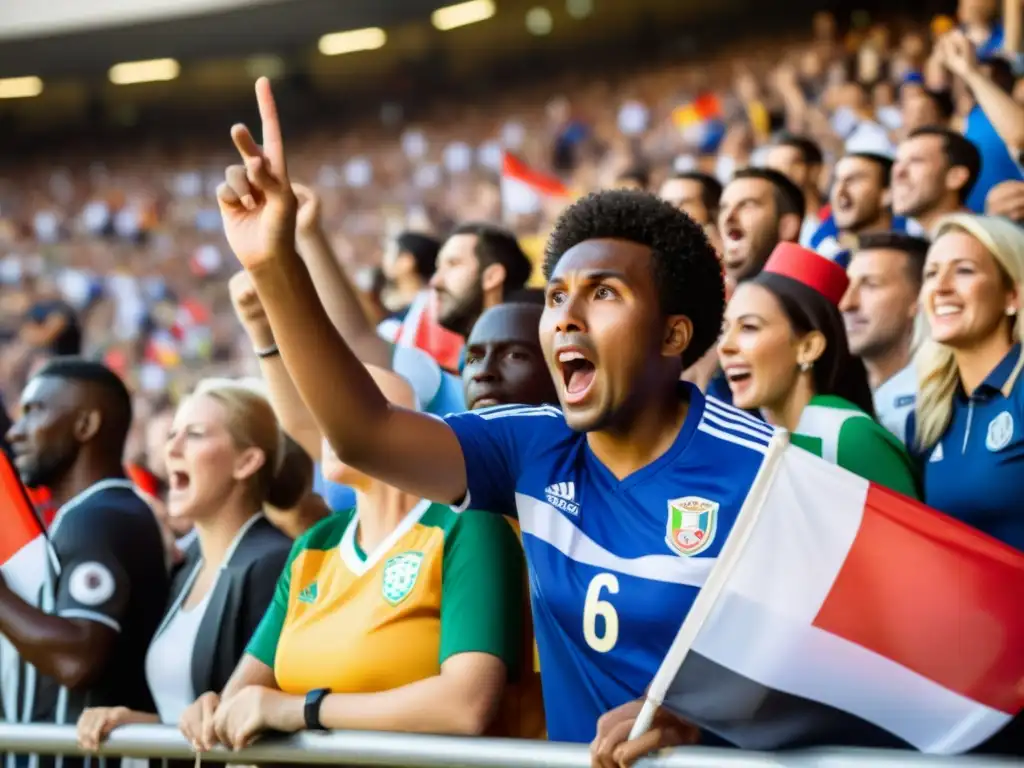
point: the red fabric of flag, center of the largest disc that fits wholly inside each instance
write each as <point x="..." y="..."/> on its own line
<point x="21" y="524"/>
<point x="909" y="571"/>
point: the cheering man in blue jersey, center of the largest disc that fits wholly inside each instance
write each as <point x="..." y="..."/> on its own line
<point x="625" y="495"/>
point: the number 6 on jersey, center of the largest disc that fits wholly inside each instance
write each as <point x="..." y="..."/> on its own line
<point x="594" y="607"/>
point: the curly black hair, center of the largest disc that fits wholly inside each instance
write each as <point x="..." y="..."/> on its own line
<point x="687" y="270"/>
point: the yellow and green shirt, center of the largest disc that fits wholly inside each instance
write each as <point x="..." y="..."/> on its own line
<point x="442" y="583"/>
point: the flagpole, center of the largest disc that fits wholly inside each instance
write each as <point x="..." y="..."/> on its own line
<point x="705" y="601"/>
<point x="644" y="720"/>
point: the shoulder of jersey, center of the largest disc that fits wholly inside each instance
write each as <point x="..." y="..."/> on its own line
<point x="729" y="425"/>
<point x="534" y="413"/>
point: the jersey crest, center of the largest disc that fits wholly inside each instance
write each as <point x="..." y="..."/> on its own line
<point x="400" y="573"/>
<point x="692" y="521"/>
<point x="1000" y="432"/>
<point x="309" y="594"/>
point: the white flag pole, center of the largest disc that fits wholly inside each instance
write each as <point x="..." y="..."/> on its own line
<point x="715" y="584"/>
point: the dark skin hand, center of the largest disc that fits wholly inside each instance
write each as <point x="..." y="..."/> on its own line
<point x="71" y="651"/>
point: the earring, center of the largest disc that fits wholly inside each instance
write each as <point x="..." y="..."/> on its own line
<point x="805" y="367"/>
<point x="1011" y="311"/>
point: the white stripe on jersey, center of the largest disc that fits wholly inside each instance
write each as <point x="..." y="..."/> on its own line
<point x="733" y="427"/>
<point x="732" y="413"/>
<point x="542" y="521"/>
<point x="504" y="411"/>
<point x="754" y="445"/>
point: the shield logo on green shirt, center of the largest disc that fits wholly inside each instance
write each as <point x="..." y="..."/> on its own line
<point x="400" y="573"/>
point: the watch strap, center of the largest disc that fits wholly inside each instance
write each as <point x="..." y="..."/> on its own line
<point x="311" y="710"/>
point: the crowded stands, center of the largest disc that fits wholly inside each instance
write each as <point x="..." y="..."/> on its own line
<point x="376" y="432"/>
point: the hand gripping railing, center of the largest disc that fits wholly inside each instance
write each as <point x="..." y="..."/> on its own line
<point x="416" y="751"/>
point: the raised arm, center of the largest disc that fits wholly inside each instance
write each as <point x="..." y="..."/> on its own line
<point x="337" y="294"/>
<point x="411" y="451"/>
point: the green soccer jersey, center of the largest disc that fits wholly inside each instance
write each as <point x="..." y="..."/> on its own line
<point x="838" y="431"/>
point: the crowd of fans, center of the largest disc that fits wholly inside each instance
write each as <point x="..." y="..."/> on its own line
<point x="849" y="268"/>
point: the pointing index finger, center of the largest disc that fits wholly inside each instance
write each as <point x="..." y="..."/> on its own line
<point x="273" y="144"/>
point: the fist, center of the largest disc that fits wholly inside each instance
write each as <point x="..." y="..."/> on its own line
<point x="245" y="299"/>
<point x="308" y="216"/>
<point x="957" y="53"/>
<point x="612" y="747"/>
<point x="1006" y="199"/>
<point x="256" y="201"/>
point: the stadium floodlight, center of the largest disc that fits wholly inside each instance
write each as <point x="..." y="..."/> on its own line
<point x="20" y="87"/>
<point x="368" y="39"/>
<point x="452" y="16"/>
<point x="152" y="71"/>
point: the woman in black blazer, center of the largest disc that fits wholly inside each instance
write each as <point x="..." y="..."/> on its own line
<point x="226" y="460"/>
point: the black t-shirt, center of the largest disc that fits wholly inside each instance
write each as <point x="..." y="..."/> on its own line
<point x="68" y="341"/>
<point x="112" y="571"/>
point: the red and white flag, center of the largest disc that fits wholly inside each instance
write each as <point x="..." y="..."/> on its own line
<point x="843" y="614"/>
<point x="24" y="552"/>
<point x="23" y="544"/>
<point x="421" y="329"/>
<point x="524" y="189"/>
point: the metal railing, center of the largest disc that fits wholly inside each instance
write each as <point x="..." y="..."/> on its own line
<point x="416" y="751"/>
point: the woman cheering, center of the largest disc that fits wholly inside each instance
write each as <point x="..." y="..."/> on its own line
<point x="225" y="461"/>
<point x="784" y="352"/>
<point x="970" y="403"/>
<point x="398" y="615"/>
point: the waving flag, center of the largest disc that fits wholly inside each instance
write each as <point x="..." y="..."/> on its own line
<point x="701" y="122"/>
<point x="23" y="563"/>
<point x="23" y="547"/>
<point x="420" y="328"/>
<point x="843" y="614"/>
<point x="524" y="189"/>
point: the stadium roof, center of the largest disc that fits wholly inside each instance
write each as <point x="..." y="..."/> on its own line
<point x="272" y="26"/>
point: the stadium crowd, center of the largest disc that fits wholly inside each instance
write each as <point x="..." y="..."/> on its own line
<point x="270" y="491"/>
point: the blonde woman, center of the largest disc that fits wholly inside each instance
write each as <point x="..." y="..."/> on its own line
<point x="398" y="615"/>
<point x="968" y="425"/>
<point x="225" y="462"/>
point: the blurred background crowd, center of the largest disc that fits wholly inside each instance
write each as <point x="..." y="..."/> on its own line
<point x="109" y="234"/>
<point x="882" y="116"/>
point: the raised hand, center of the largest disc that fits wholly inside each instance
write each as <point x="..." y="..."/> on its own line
<point x="308" y="217"/>
<point x="256" y="200"/>
<point x="957" y="53"/>
<point x="249" y="310"/>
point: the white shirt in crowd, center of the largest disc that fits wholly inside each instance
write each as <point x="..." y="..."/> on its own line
<point x="894" y="400"/>
<point x="169" y="661"/>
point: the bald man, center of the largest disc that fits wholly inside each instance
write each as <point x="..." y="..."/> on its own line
<point x="504" y="363"/>
<point x="89" y="645"/>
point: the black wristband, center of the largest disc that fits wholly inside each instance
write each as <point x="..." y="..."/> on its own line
<point x="266" y="352"/>
<point x="311" y="710"/>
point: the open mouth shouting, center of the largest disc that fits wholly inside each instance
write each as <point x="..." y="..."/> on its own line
<point x="178" y="481"/>
<point x="578" y="373"/>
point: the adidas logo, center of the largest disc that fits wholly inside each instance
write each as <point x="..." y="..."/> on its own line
<point x="309" y="594"/>
<point x="562" y="496"/>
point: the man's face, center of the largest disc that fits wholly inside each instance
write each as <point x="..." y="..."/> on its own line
<point x="919" y="109"/>
<point x="504" y="361"/>
<point x="457" y="285"/>
<point x="790" y="163"/>
<point x="858" y="194"/>
<point x="688" y="196"/>
<point x="43" y="438"/>
<point x="918" y="176"/>
<point x="601" y="331"/>
<point x="749" y="222"/>
<point x="880" y="305"/>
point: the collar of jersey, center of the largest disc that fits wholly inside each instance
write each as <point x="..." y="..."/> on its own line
<point x="74" y="501"/>
<point x="349" y="552"/>
<point x="1003" y="376"/>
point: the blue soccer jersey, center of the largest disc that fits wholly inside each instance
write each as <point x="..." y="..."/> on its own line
<point x="614" y="565"/>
